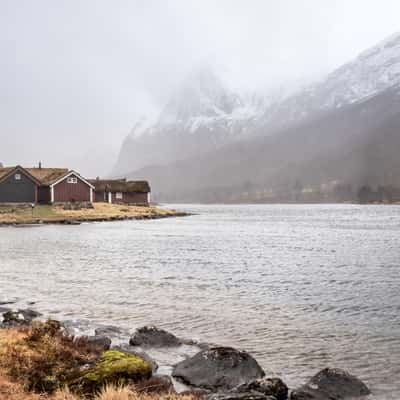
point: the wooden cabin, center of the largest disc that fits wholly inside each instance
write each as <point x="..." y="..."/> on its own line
<point x="17" y="185"/>
<point x="43" y="186"/>
<point x="121" y="191"/>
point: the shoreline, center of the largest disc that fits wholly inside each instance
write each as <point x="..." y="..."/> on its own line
<point x="201" y="370"/>
<point x="58" y="215"/>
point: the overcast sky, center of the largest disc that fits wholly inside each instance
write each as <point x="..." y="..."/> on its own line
<point x="75" y="74"/>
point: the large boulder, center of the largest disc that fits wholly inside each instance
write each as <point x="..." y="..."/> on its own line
<point x="151" y="336"/>
<point x="114" y="367"/>
<point x="218" y="368"/>
<point x="13" y="319"/>
<point x="107" y="330"/>
<point x="331" y="384"/>
<point x="267" y="386"/>
<point x="102" y="342"/>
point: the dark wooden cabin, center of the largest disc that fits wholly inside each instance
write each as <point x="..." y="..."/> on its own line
<point x="17" y="185"/>
<point x="121" y="191"/>
<point x="43" y="186"/>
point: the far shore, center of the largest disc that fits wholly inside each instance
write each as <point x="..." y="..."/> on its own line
<point x="58" y="214"/>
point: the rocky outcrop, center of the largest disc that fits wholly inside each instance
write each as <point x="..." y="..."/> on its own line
<point x="102" y="342"/>
<point x="114" y="367"/>
<point x="213" y="373"/>
<point x="218" y="368"/>
<point x="150" y="336"/>
<point x="19" y="318"/>
<point x="107" y="330"/>
<point x="133" y="351"/>
<point x="331" y="384"/>
<point x="267" y="386"/>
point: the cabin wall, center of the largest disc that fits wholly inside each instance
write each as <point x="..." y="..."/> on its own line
<point x="65" y="192"/>
<point x="101" y="196"/>
<point x="18" y="191"/>
<point x="131" y="198"/>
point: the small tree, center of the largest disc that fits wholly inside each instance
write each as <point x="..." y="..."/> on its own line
<point x="365" y="194"/>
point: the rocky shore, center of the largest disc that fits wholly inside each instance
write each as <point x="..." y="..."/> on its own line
<point x="200" y="370"/>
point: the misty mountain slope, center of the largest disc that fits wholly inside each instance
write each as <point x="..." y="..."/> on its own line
<point x="356" y="144"/>
<point x="373" y="71"/>
<point x="208" y="143"/>
<point x="381" y="161"/>
<point x="202" y="116"/>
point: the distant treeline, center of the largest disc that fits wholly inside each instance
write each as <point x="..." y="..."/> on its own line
<point x="294" y="193"/>
<point x="382" y="194"/>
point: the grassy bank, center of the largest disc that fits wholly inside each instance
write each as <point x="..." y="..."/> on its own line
<point x="13" y="391"/>
<point x="41" y="363"/>
<point x="10" y="215"/>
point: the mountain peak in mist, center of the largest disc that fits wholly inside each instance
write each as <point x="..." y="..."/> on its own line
<point x="202" y="94"/>
<point x="374" y="70"/>
<point x="204" y="115"/>
<point x="390" y="43"/>
<point x="368" y="74"/>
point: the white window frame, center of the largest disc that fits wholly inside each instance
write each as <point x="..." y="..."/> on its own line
<point x="119" y="195"/>
<point x="72" y="179"/>
<point x="17" y="177"/>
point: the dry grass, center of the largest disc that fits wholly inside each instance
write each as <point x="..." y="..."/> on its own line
<point x="127" y="393"/>
<point x="105" y="210"/>
<point x="41" y="358"/>
<point x="13" y="391"/>
<point x="64" y="395"/>
<point x="34" y="362"/>
<point x="101" y="211"/>
<point x="115" y="393"/>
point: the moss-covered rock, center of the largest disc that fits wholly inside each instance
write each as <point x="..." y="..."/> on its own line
<point x="114" y="367"/>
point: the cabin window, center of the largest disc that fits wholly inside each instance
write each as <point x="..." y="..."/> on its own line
<point x="72" y="179"/>
<point x="17" y="177"/>
<point x="118" y="195"/>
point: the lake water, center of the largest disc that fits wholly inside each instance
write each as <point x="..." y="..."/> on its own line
<point x="301" y="287"/>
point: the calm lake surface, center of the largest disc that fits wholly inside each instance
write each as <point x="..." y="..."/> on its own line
<point x="301" y="287"/>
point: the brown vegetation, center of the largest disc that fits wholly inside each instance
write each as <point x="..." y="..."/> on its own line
<point x="37" y="362"/>
<point x="41" y="358"/>
<point x="99" y="212"/>
<point x="14" y="391"/>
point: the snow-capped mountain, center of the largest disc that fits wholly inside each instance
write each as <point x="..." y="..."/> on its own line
<point x="373" y="71"/>
<point x="330" y="156"/>
<point x="202" y="101"/>
<point x="370" y="73"/>
<point x="204" y="115"/>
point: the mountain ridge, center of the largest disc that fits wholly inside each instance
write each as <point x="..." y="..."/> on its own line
<point x="268" y="162"/>
<point x="339" y="111"/>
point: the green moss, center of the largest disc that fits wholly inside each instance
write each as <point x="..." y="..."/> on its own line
<point x="114" y="367"/>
